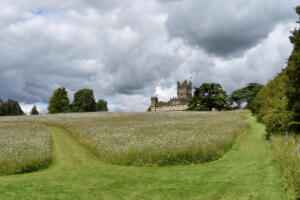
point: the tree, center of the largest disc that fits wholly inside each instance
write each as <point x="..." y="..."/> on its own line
<point x="271" y="104"/>
<point x="293" y="80"/>
<point x="84" y="101"/>
<point x="101" y="105"/>
<point x="59" y="101"/>
<point x="34" y="111"/>
<point x="237" y="97"/>
<point x="10" y="108"/>
<point x="209" y="96"/>
<point x="1" y="101"/>
<point x="246" y="95"/>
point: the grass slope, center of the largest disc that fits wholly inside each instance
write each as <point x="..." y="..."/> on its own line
<point x="246" y="172"/>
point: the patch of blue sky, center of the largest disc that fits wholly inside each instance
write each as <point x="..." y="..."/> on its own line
<point x="112" y="101"/>
<point x="39" y="12"/>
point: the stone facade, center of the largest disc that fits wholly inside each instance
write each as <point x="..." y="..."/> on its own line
<point x="179" y="103"/>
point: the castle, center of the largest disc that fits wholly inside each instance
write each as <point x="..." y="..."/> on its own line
<point x="179" y="103"/>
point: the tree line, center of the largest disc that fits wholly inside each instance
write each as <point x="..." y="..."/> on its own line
<point x="13" y="108"/>
<point x="278" y="103"/>
<point x="84" y="101"/>
<point x="211" y="96"/>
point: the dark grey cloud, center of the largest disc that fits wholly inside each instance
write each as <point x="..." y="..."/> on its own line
<point x="226" y="28"/>
<point x="129" y="50"/>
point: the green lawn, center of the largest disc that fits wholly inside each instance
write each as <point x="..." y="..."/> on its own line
<point x="246" y="172"/>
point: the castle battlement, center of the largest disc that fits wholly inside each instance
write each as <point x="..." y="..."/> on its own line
<point x="179" y="103"/>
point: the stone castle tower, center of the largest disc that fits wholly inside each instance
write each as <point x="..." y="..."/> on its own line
<point x="184" y="91"/>
<point x="154" y="101"/>
<point x="184" y="95"/>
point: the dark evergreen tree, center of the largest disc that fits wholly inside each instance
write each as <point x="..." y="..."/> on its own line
<point x="10" y="108"/>
<point x="34" y="111"/>
<point x="1" y="101"/>
<point x="293" y="81"/>
<point x="84" y="101"/>
<point x="59" y="101"/>
<point x="209" y="96"/>
<point x="101" y="105"/>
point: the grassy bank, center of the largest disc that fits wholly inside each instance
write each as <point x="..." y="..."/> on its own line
<point x="289" y="160"/>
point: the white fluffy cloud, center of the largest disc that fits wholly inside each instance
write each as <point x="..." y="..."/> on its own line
<point x="128" y="50"/>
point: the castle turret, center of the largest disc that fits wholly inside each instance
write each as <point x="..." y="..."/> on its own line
<point x="154" y="101"/>
<point x="179" y="103"/>
<point x="184" y="91"/>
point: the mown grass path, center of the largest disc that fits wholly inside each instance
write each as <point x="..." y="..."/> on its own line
<point x="246" y="172"/>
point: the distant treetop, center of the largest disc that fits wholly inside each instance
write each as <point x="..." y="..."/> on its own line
<point x="84" y="101"/>
<point x="10" y="108"/>
<point x="209" y="96"/>
<point x="34" y="111"/>
<point x="101" y="105"/>
<point x="59" y="101"/>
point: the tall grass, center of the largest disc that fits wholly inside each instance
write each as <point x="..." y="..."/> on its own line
<point x="139" y="139"/>
<point x="24" y="147"/>
<point x="147" y="139"/>
<point x="289" y="160"/>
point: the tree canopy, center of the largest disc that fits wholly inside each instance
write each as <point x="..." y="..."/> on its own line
<point x="84" y="101"/>
<point x="246" y="95"/>
<point x="278" y="103"/>
<point x="293" y="78"/>
<point x="209" y="96"/>
<point x="1" y="101"/>
<point x="34" y="111"/>
<point x="10" y="108"/>
<point x="59" y="101"/>
<point x="101" y="105"/>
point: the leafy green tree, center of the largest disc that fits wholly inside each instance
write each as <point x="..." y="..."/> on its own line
<point x="34" y="111"/>
<point x="10" y="108"/>
<point x="59" y="101"/>
<point x="84" y="101"/>
<point x="246" y="95"/>
<point x="237" y="97"/>
<point x="278" y="103"/>
<point x="271" y="104"/>
<point x="293" y="80"/>
<point x="101" y="105"/>
<point x="1" y="101"/>
<point x="209" y="96"/>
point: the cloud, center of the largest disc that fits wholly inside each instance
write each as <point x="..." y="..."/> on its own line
<point x="226" y="28"/>
<point x="128" y="51"/>
<point x="260" y="63"/>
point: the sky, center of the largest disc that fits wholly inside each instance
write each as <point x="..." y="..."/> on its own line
<point x="130" y="50"/>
